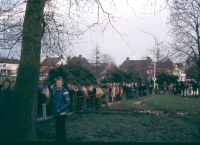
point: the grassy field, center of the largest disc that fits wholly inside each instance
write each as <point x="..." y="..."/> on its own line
<point x="120" y="122"/>
<point x="11" y="78"/>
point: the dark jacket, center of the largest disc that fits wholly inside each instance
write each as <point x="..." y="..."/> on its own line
<point x="136" y="88"/>
<point x="128" y="90"/>
<point x="144" y="88"/>
<point x="79" y="93"/>
<point x="61" y="102"/>
<point x="194" y="86"/>
<point x="124" y="88"/>
<point x="133" y="88"/>
<point x="179" y="89"/>
<point x="41" y="100"/>
<point x="41" y="88"/>
<point x="7" y="101"/>
<point x="150" y="88"/>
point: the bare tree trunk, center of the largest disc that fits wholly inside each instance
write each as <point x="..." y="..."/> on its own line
<point x="26" y="91"/>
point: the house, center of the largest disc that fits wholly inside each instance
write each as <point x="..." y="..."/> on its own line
<point x="146" y="68"/>
<point x="83" y="61"/>
<point x="51" y="63"/>
<point x="179" y="71"/>
<point x="9" y="66"/>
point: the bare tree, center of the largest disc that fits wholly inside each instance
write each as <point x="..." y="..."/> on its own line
<point x="109" y="59"/>
<point x="33" y="27"/>
<point x="184" y="22"/>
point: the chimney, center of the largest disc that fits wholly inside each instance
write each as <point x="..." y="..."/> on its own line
<point x="148" y="58"/>
<point x="127" y="59"/>
<point x="80" y="56"/>
<point x="12" y="57"/>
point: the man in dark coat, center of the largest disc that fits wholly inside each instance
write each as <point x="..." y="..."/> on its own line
<point x="6" y="106"/>
<point x="195" y="87"/>
<point x="133" y="91"/>
<point x="128" y="91"/>
<point x="143" y="90"/>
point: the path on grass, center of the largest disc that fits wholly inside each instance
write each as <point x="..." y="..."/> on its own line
<point x="139" y="102"/>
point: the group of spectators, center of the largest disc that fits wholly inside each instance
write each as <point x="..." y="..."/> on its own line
<point x="184" y="89"/>
<point x="91" y="97"/>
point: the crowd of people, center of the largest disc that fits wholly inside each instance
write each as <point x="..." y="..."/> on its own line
<point x="180" y="89"/>
<point x="60" y="101"/>
<point x="91" y="97"/>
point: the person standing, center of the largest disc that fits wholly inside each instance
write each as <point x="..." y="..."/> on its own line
<point x="199" y="88"/>
<point x="175" y="89"/>
<point x="144" y="88"/>
<point x="150" y="89"/>
<point x="61" y="102"/>
<point x="165" y="88"/>
<point x="48" y="92"/>
<point x="79" y="100"/>
<point x="13" y="85"/>
<point x="124" y="91"/>
<point x="84" y="95"/>
<point x="141" y="90"/>
<point x="113" y="91"/>
<point x="90" y="100"/>
<point x="194" y="88"/>
<point x="136" y="90"/>
<point x="132" y="91"/>
<point x="6" y="107"/>
<point x="71" y="95"/>
<point x="98" y="96"/>
<point x="170" y="88"/>
<point x="186" y="89"/>
<point x="147" y="89"/>
<point x="183" y="88"/>
<point x="179" y="89"/>
<point x="189" y="90"/>
<point x="128" y="91"/>
<point x="156" y="88"/>
<point x="118" y="92"/>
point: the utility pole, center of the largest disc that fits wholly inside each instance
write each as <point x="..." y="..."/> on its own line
<point x="154" y="79"/>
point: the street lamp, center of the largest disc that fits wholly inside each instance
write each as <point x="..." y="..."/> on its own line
<point x="154" y="79"/>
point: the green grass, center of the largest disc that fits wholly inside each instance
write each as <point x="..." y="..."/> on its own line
<point x="165" y="102"/>
<point x="120" y="123"/>
<point x="11" y="78"/>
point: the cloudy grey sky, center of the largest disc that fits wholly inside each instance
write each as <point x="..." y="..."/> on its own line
<point x="136" y="42"/>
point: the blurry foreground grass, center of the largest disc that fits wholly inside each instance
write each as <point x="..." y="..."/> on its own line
<point x="120" y="123"/>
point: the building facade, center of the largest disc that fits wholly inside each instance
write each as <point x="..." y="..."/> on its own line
<point x="146" y="68"/>
<point x="9" y="66"/>
<point x="51" y="63"/>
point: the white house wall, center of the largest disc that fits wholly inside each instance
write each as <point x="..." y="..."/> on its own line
<point x="12" y="67"/>
<point x="62" y="61"/>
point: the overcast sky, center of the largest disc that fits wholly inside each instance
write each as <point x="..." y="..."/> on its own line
<point x="138" y="42"/>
